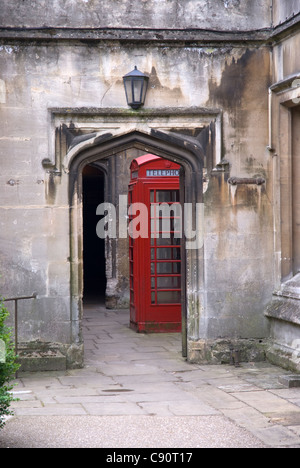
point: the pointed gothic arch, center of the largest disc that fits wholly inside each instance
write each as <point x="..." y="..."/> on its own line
<point x="185" y="151"/>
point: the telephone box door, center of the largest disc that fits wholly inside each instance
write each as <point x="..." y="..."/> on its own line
<point x="155" y="246"/>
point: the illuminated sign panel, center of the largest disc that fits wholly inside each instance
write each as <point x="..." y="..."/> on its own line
<point x="162" y="173"/>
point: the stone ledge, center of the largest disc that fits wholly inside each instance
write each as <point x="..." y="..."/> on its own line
<point x="285" y="309"/>
<point x="40" y="356"/>
<point x="129" y="34"/>
<point x="291" y="288"/>
<point x="284" y="356"/>
<point x="35" y="361"/>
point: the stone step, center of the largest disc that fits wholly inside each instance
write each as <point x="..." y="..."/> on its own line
<point x="290" y="381"/>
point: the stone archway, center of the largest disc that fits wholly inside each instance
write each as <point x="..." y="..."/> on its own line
<point x="187" y="152"/>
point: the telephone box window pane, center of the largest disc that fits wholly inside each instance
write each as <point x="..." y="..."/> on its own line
<point x="167" y="196"/>
<point x="168" y="297"/>
<point x="168" y="282"/>
<point x="168" y="253"/>
<point x="152" y="283"/>
<point x="168" y="241"/>
<point x="166" y="226"/>
<point x="168" y="267"/>
<point x="165" y="210"/>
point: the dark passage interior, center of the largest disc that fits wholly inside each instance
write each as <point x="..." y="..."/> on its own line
<point x="94" y="277"/>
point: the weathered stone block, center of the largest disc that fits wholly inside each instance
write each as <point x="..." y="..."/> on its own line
<point x="35" y="361"/>
<point x="290" y="381"/>
<point x="220" y="351"/>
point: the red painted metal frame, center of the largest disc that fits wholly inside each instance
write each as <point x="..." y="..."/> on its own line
<point x="146" y="316"/>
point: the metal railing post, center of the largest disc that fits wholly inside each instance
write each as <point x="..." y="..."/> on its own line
<point x="15" y="300"/>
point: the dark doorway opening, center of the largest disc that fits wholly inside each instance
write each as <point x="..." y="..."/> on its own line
<point x="94" y="275"/>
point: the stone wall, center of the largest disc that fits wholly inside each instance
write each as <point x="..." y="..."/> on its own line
<point x="283" y="11"/>
<point x="284" y="310"/>
<point x="169" y="14"/>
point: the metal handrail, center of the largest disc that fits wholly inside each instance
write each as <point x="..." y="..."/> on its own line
<point x="16" y="299"/>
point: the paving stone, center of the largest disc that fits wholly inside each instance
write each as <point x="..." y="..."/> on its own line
<point x="295" y="430"/>
<point x="156" y="396"/>
<point x="285" y="418"/>
<point x="238" y="386"/>
<point x="26" y="404"/>
<point x="291" y="394"/>
<point x="113" y="409"/>
<point x="218" y="399"/>
<point x="51" y="410"/>
<point x="157" y="408"/>
<point x="277" y="436"/>
<point x="266" y="402"/>
<point x="191" y="408"/>
<point x="247" y="417"/>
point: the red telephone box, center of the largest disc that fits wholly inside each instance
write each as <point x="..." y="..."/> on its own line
<point x="155" y="254"/>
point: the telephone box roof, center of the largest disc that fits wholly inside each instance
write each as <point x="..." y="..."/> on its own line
<point x="146" y="158"/>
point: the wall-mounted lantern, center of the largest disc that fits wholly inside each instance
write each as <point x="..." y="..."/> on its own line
<point x="135" y="84"/>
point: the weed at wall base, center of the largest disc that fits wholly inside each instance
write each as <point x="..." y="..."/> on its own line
<point x="8" y="366"/>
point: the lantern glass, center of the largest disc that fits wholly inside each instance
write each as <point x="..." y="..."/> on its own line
<point x="137" y="85"/>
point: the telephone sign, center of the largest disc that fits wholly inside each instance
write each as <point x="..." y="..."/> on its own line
<point x="155" y="260"/>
